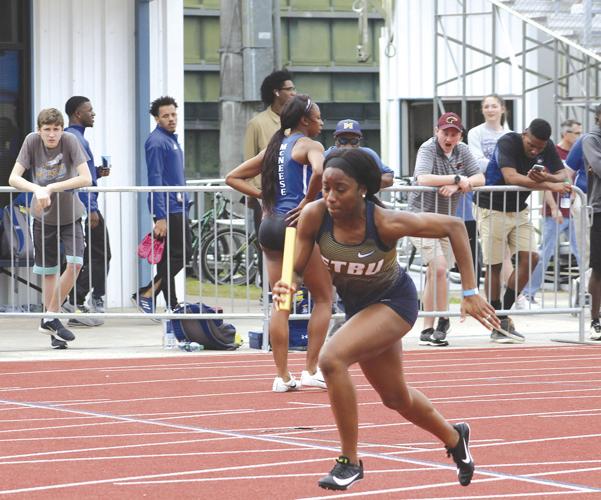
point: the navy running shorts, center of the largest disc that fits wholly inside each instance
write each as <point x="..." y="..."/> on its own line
<point x="272" y="232"/>
<point x="401" y="298"/>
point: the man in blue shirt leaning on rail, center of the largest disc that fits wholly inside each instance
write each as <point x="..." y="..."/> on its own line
<point x="95" y="260"/>
<point x="575" y="161"/>
<point x="165" y="164"/>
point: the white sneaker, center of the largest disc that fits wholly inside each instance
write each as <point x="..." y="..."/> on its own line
<point x="280" y="386"/>
<point x="521" y="302"/>
<point x="525" y="302"/>
<point x="315" y="380"/>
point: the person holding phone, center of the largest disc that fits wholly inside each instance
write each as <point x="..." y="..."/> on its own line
<point x="530" y="160"/>
<point x="97" y="256"/>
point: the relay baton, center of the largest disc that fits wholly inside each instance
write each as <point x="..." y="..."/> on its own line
<point x="288" y="265"/>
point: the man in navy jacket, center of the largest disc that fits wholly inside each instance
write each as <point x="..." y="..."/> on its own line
<point x="97" y="255"/>
<point x="165" y="164"/>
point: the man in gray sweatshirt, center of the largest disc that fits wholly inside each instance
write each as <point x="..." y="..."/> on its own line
<point x="591" y="149"/>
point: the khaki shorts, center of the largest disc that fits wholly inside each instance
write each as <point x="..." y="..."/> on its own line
<point x="500" y="230"/>
<point x="430" y="248"/>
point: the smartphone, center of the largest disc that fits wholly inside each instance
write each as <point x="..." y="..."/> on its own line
<point x="106" y="162"/>
<point x="538" y="168"/>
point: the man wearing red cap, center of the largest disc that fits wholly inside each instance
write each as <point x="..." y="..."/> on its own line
<point x="446" y="163"/>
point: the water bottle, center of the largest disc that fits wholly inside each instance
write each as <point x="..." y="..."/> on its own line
<point x="169" y="340"/>
<point x="191" y="346"/>
<point x="566" y="198"/>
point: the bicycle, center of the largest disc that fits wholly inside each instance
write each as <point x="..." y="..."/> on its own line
<point x="223" y="255"/>
<point x="228" y="257"/>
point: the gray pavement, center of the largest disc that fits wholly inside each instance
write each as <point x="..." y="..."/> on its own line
<point x="134" y="338"/>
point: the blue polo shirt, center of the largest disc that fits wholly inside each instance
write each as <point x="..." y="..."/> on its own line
<point x="86" y="198"/>
<point x="165" y="164"/>
<point x="383" y="168"/>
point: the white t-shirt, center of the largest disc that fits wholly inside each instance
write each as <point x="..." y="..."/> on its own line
<point x="482" y="141"/>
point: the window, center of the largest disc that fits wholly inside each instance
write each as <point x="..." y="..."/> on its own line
<point x="15" y="109"/>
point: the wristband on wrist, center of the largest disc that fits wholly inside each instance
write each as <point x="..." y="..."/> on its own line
<point x="470" y="292"/>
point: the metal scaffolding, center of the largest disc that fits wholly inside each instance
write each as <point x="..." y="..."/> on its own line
<point x="563" y="67"/>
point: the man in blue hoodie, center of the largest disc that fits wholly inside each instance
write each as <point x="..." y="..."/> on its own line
<point x="165" y="164"/>
<point x="97" y="255"/>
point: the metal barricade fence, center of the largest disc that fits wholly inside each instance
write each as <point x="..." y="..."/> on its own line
<point x="565" y="271"/>
<point x="222" y="268"/>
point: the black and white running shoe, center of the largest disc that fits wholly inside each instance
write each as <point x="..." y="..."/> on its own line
<point x="343" y="475"/>
<point x="462" y="456"/>
<point x="595" y="331"/>
<point x="432" y="337"/>
<point x="56" y="328"/>
<point x="57" y="343"/>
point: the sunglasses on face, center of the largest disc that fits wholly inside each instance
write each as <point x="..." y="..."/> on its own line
<point x="353" y="141"/>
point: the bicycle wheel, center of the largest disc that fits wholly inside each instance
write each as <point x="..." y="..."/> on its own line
<point x="226" y="258"/>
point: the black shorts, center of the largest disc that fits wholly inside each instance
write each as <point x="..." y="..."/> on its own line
<point x="401" y="298"/>
<point x="272" y="232"/>
<point x="69" y="237"/>
<point x="595" y="253"/>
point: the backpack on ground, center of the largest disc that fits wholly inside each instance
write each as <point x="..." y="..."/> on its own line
<point x="16" y="238"/>
<point x="213" y="334"/>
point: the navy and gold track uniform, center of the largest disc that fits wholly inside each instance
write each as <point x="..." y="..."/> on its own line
<point x="368" y="272"/>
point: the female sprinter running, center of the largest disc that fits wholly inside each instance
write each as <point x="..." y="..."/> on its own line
<point x="291" y="169"/>
<point x="357" y="239"/>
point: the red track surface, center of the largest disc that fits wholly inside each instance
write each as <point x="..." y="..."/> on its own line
<point x="208" y="426"/>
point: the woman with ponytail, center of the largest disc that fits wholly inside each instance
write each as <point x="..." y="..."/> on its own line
<point x="291" y="169"/>
<point x="357" y="239"/>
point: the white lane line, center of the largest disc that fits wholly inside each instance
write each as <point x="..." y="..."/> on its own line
<point x="577" y="489"/>
<point x="270" y="476"/>
<point x="119" y="447"/>
<point x="411" y="358"/>
<point x="162" y="415"/>
<point x="292" y="442"/>
<point x="267" y="376"/>
<point x="312" y="474"/>
<point x="204" y="414"/>
<point x="150" y="476"/>
<point x="205" y="395"/>
<point x="582" y="415"/>
<point x="21" y="430"/>
<point x="146" y="456"/>
<point x="196" y="378"/>
<point x="538" y="464"/>
<point x="541" y="494"/>
<point x="93" y="436"/>
<point x="193" y="365"/>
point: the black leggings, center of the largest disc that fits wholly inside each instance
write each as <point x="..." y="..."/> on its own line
<point x="472" y="232"/>
<point x="94" y="267"/>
